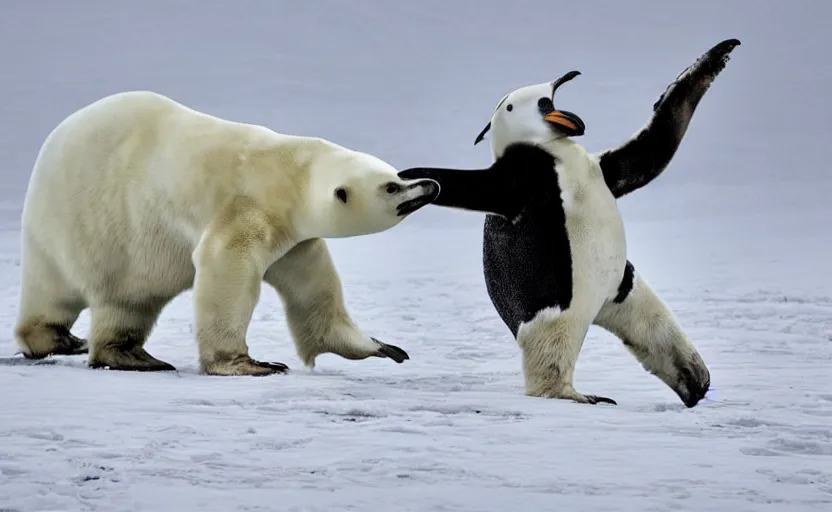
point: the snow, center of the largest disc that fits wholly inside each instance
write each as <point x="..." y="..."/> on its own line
<point x="734" y="237"/>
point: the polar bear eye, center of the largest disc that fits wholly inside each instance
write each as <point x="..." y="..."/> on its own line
<point x="509" y="107"/>
<point x="341" y="194"/>
<point x="392" y="188"/>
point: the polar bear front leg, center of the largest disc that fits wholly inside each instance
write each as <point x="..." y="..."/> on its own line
<point x="551" y="342"/>
<point x="230" y="261"/>
<point x="309" y="286"/>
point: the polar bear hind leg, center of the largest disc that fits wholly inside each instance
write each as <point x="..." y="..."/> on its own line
<point x="118" y="333"/>
<point x="308" y="284"/>
<point x="49" y="308"/>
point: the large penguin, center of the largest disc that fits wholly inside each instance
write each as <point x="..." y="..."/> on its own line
<point x="554" y="251"/>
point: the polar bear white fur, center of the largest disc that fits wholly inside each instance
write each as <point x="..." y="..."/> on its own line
<point x="136" y="198"/>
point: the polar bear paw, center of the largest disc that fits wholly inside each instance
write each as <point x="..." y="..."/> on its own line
<point x="595" y="399"/>
<point x="242" y="365"/>
<point x="568" y="393"/>
<point x="392" y="351"/>
<point x="582" y="399"/>
<point x="133" y="359"/>
<point x="42" y="340"/>
<point x="69" y="345"/>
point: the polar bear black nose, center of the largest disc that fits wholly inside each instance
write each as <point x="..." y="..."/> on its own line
<point x="431" y="189"/>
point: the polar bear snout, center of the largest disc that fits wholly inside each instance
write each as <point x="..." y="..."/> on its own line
<point x="416" y="194"/>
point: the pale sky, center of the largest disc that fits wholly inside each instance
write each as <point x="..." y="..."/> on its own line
<point x="414" y="82"/>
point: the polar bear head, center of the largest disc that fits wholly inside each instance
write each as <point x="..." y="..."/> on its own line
<point x="354" y="193"/>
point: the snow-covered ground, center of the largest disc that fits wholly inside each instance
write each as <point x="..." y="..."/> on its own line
<point x="450" y="429"/>
<point x="735" y="237"/>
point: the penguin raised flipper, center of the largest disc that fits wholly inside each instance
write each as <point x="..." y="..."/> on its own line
<point x="642" y="158"/>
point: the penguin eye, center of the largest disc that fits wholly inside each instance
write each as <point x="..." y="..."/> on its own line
<point x="509" y="107"/>
<point x="392" y="188"/>
<point x="341" y="194"/>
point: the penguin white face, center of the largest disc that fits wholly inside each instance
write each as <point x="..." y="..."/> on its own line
<point x="528" y="114"/>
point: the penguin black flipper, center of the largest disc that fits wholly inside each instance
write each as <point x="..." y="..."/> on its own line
<point x="645" y="156"/>
<point x="503" y="189"/>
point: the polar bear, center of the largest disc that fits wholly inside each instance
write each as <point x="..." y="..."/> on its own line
<point x="136" y="198"/>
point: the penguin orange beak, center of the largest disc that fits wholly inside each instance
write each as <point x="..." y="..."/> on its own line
<point x="567" y="122"/>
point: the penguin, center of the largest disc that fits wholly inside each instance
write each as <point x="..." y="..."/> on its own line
<point x="554" y="248"/>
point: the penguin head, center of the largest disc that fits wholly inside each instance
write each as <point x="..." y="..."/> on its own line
<point x="528" y="114"/>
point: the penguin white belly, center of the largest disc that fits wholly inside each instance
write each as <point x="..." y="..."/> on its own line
<point x="596" y="237"/>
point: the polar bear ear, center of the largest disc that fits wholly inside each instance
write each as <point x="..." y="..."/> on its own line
<point x="341" y="194"/>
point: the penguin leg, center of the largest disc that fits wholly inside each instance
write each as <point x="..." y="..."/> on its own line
<point x="650" y="332"/>
<point x="550" y="343"/>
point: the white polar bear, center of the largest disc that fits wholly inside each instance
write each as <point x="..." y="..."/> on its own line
<point x="136" y="198"/>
